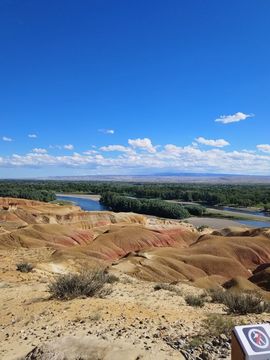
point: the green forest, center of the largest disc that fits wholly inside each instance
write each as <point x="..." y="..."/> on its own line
<point x="205" y="194"/>
<point x="160" y="208"/>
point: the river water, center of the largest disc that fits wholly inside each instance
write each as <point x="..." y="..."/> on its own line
<point x="85" y="204"/>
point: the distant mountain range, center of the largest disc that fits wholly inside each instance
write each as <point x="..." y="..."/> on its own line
<point x="171" y="178"/>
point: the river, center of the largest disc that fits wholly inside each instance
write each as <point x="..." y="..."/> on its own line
<point x="85" y="204"/>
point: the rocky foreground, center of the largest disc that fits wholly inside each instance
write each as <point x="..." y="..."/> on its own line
<point x="140" y="317"/>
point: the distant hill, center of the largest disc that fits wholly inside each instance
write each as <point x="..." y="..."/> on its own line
<point x="172" y="178"/>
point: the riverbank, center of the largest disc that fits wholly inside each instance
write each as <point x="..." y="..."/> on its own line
<point x="243" y="214"/>
<point x="236" y="215"/>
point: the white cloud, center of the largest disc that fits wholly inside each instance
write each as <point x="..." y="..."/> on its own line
<point x="107" y="131"/>
<point x="39" y="151"/>
<point x="5" y="138"/>
<point x="68" y="147"/>
<point x="214" y="143"/>
<point x="264" y="148"/>
<point x="90" y="152"/>
<point x="144" y="144"/>
<point x="119" y="148"/>
<point x="32" y="136"/>
<point x="153" y="158"/>
<point x="227" y="119"/>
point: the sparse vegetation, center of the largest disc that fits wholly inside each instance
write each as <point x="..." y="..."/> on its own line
<point x="62" y="202"/>
<point x="217" y="295"/>
<point x="195" y="300"/>
<point x="196" y="341"/>
<point x="86" y="284"/>
<point x="168" y="287"/>
<point x="246" y="303"/>
<point x="127" y="280"/>
<point x="202" y="228"/>
<point x="95" y="316"/>
<point x="111" y="278"/>
<point x="214" y="325"/>
<point x="241" y="304"/>
<point x="24" y="267"/>
<point x="220" y="324"/>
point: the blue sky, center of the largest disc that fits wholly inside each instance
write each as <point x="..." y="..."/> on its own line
<point x="134" y="87"/>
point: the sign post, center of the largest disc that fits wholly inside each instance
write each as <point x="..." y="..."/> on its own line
<point x="251" y="342"/>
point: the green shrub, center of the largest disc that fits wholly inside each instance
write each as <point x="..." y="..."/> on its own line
<point x="217" y="295"/>
<point x="195" y="210"/>
<point x="241" y="304"/>
<point x="194" y="300"/>
<point x="246" y="303"/>
<point x="86" y="284"/>
<point x="24" y="267"/>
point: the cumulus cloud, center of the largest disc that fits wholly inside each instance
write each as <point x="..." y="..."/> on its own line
<point x="143" y="155"/>
<point x="5" y="138"/>
<point x="39" y="151"/>
<point x="227" y="119"/>
<point x="214" y="143"/>
<point x="32" y="136"/>
<point x="144" y="144"/>
<point x="68" y="147"/>
<point x="264" y="148"/>
<point x="119" y="148"/>
<point x="107" y="131"/>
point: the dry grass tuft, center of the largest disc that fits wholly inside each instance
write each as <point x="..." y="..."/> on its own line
<point x="88" y="283"/>
<point x="24" y="267"/>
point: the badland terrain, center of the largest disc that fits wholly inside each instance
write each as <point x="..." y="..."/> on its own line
<point x="164" y="297"/>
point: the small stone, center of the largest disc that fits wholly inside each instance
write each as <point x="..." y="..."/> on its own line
<point x="223" y="337"/>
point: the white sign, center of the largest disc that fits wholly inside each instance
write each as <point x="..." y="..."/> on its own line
<point x="254" y="341"/>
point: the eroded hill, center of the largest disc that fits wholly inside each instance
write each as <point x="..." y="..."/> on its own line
<point x="142" y="251"/>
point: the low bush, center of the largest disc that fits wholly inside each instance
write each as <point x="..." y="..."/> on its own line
<point x="194" y="300"/>
<point x="168" y="287"/>
<point x="246" y="303"/>
<point x="24" y="267"/>
<point x="86" y="284"/>
<point x="217" y="295"/>
<point x="202" y="228"/>
<point x="241" y="304"/>
<point x="111" y="278"/>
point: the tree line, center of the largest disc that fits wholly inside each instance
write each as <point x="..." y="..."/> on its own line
<point x="205" y="194"/>
<point x="24" y="191"/>
<point x="160" y="208"/>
